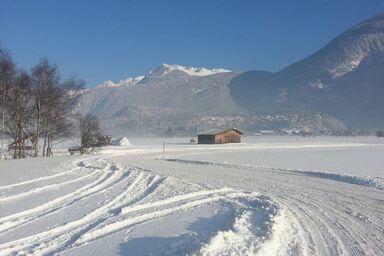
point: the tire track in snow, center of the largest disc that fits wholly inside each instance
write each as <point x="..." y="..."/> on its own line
<point x="60" y="235"/>
<point x="320" y="231"/>
<point x="105" y="179"/>
<point x="128" y="221"/>
<point x="123" y="211"/>
<point x="331" y="231"/>
<point x="377" y="182"/>
<point x="315" y="227"/>
<point x="46" y="177"/>
<point x="46" y="188"/>
<point x="347" y="230"/>
<point x="328" y="224"/>
<point x="173" y="200"/>
<point x="335" y="218"/>
<point x="97" y="190"/>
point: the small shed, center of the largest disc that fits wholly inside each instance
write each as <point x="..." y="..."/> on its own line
<point x="217" y="136"/>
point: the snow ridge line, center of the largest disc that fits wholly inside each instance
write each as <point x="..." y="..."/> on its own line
<point x="43" y="189"/>
<point x="174" y="199"/>
<point x="75" y="227"/>
<point x="125" y="210"/>
<point x="130" y="221"/>
<point x="377" y="182"/>
<point x="134" y="193"/>
<point x="38" y="179"/>
<point x="50" y="176"/>
<point x="25" y="242"/>
<point x="106" y="178"/>
<point x="85" y="236"/>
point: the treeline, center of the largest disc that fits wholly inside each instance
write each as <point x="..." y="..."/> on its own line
<point x="35" y="107"/>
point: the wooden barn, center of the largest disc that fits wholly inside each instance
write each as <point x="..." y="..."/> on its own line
<point x="216" y="136"/>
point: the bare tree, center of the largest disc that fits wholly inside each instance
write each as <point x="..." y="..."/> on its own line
<point x="38" y="106"/>
<point x="7" y="73"/>
<point x="89" y="132"/>
<point x="53" y="104"/>
<point x="45" y="77"/>
<point x="57" y="118"/>
<point x="18" y="106"/>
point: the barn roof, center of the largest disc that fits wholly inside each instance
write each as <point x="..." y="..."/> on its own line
<point x="218" y="131"/>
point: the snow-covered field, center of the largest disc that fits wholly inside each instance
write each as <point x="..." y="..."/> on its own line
<point x="267" y="196"/>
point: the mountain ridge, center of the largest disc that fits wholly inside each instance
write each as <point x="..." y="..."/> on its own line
<point x="338" y="87"/>
<point x="322" y="81"/>
<point x="164" y="70"/>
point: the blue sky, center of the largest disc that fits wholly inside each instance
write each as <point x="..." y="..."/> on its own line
<point x="112" y="40"/>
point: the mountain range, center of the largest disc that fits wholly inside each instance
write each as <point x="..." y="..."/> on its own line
<point x="344" y="79"/>
<point x="339" y="87"/>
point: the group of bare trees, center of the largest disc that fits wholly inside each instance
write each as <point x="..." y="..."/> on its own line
<point x="35" y="107"/>
<point x="89" y="133"/>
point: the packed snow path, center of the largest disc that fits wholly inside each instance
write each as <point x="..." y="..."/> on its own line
<point x="130" y="201"/>
<point x="117" y="199"/>
<point x="335" y="217"/>
<point x="325" y="213"/>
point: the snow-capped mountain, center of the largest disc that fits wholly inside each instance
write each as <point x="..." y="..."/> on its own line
<point x="127" y="82"/>
<point x="340" y="84"/>
<point x="165" y="70"/>
<point x="345" y="53"/>
<point x="170" y="95"/>
<point x="343" y="79"/>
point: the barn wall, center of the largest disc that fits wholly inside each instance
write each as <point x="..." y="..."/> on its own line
<point x="228" y="137"/>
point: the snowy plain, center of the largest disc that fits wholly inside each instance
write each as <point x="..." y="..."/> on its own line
<point x="266" y="196"/>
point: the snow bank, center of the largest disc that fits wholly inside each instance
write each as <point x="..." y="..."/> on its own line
<point x="123" y="141"/>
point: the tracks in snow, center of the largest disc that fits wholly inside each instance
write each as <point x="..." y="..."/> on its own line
<point x="376" y="182"/>
<point x="139" y="202"/>
<point x="329" y="214"/>
<point x="105" y="177"/>
<point x="316" y="214"/>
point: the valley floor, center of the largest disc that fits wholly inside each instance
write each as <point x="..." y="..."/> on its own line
<point x="268" y="196"/>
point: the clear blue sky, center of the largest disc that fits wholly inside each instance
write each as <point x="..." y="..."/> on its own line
<point x="112" y="40"/>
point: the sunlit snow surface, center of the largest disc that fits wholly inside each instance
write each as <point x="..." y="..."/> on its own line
<point x="266" y="196"/>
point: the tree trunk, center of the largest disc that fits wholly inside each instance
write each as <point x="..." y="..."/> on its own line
<point x="45" y="137"/>
<point x="49" y="149"/>
<point x="20" y="140"/>
<point x="38" y="121"/>
<point x="23" y="147"/>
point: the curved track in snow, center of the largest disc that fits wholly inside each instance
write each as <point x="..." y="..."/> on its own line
<point x="326" y="214"/>
<point x="138" y="197"/>
<point x="245" y="210"/>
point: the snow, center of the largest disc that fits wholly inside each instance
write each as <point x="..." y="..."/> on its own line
<point x="192" y="71"/>
<point x="266" y="196"/>
<point x="108" y="83"/>
<point x="126" y="82"/>
<point x="349" y="66"/>
<point x="123" y="141"/>
<point x="165" y="69"/>
<point x="318" y="84"/>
